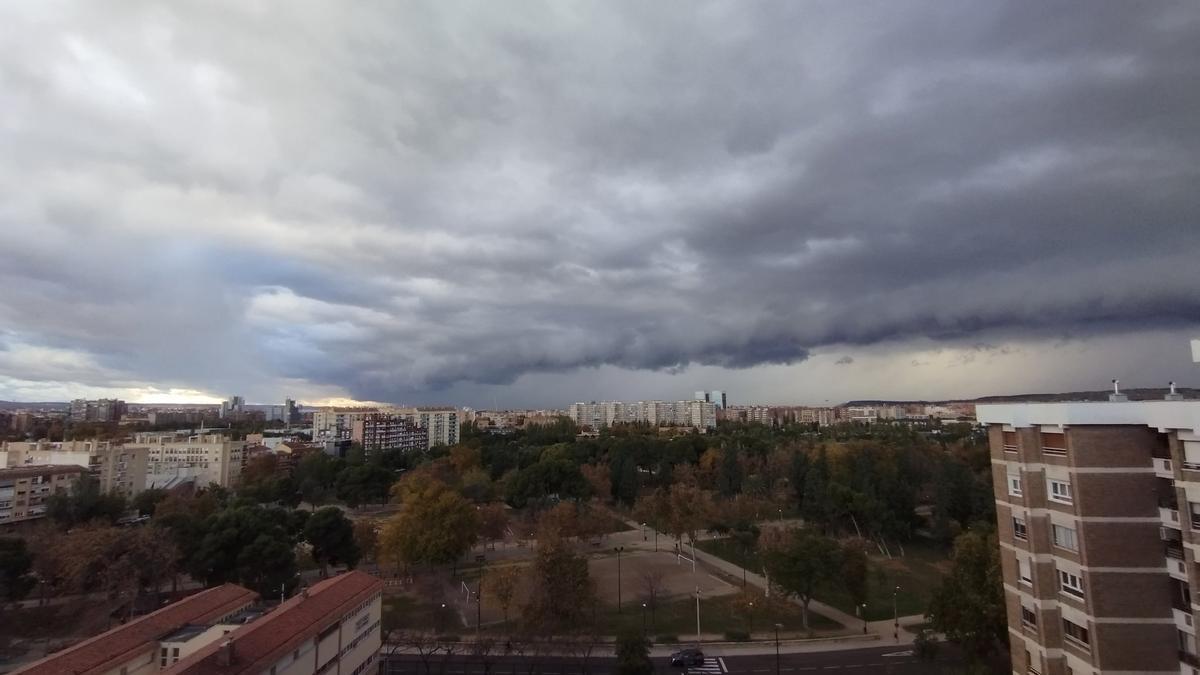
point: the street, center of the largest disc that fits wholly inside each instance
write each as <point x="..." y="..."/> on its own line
<point x="897" y="660"/>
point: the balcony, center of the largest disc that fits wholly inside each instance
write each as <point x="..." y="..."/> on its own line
<point x="1189" y="658"/>
<point x="1163" y="468"/>
<point x="1168" y="516"/>
<point x="1174" y="551"/>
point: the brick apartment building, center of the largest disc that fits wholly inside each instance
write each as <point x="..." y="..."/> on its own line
<point x="25" y="489"/>
<point x="1098" y="507"/>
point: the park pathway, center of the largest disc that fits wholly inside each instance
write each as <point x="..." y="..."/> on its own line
<point x="642" y="537"/>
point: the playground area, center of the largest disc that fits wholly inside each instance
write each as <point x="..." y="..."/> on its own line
<point x="671" y="577"/>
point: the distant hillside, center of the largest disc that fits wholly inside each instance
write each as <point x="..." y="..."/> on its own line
<point x="1145" y="394"/>
<point x="35" y="405"/>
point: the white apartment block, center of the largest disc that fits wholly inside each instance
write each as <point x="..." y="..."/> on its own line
<point x="117" y="468"/>
<point x="336" y="425"/>
<point x="604" y="414"/>
<point x="441" y="423"/>
<point x="172" y="459"/>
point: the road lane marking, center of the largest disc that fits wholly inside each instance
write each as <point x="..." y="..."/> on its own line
<point x="721" y="661"/>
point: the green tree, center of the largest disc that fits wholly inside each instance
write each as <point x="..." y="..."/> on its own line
<point x="363" y="484"/>
<point x="331" y="536"/>
<point x="437" y="526"/>
<point x="817" y="507"/>
<point x="501" y="583"/>
<point x="561" y="591"/>
<point x="854" y="575"/>
<point x="146" y="501"/>
<point x="316" y="476"/>
<point x="800" y="563"/>
<point x="729" y="474"/>
<point x="15" y="565"/>
<point x="366" y="535"/>
<point x="969" y="605"/>
<point x="84" y="502"/>
<point x="633" y="653"/>
<point x="250" y="545"/>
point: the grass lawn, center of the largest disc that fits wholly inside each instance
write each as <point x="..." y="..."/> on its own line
<point x="917" y="574"/>
<point x="405" y="612"/>
<point x="729" y="549"/>
<point x="717" y="615"/>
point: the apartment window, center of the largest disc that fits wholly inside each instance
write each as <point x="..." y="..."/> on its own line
<point x="1065" y="537"/>
<point x="1019" y="529"/>
<point x="1031" y="665"/>
<point x="1187" y="642"/>
<point x="1024" y="573"/>
<point x="1194" y="508"/>
<point x="1010" y="441"/>
<point x="1191" y="455"/>
<point x="1014" y="484"/>
<point x="1028" y="617"/>
<point x="1076" y="633"/>
<point x="1070" y="584"/>
<point x="1060" y="491"/>
<point x="1054" y="444"/>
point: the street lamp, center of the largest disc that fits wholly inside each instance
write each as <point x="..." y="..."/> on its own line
<point x="697" y="616"/>
<point x="644" y="532"/>
<point x="781" y="515"/>
<point x="864" y="614"/>
<point x="777" y="627"/>
<point x="751" y="617"/>
<point x="643" y="619"/>
<point x="895" y="616"/>
<point x="619" y="549"/>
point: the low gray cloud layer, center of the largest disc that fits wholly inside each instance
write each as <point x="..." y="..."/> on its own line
<point x="383" y="200"/>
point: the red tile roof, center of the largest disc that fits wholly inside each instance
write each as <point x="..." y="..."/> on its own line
<point x="114" y="647"/>
<point x="258" y="645"/>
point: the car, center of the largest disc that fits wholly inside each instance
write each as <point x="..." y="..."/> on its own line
<point x="687" y="657"/>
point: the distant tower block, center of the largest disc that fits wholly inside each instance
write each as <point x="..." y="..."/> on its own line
<point x="1196" y="351"/>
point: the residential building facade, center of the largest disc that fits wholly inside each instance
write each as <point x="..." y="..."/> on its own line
<point x="100" y="410"/>
<point x="332" y="627"/>
<point x="1098" y="508"/>
<point x="383" y="431"/>
<point x="336" y="424"/>
<point x="117" y="468"/>
<point x="24" y="490"/>
<point x="172" y="459"/>
<point x="601" y="415"/>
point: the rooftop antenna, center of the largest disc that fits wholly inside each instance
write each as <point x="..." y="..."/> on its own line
<point x="1173" y="396"/>
<point x="1117" y="395"/>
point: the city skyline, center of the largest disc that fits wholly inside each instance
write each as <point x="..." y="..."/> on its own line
<point x="478" y="204"/>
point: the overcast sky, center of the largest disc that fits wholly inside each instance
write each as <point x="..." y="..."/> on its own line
<point x="525" y="203"/>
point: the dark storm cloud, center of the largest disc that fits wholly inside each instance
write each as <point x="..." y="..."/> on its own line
<point x="378" y="201"/>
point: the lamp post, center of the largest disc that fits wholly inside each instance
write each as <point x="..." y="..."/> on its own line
<point x="643" y="620"/>
<point x="751" y="631"/>
<point x="644" y="532"/>
<point x="895" y="616"/>
<point x="697" y="616"/>
<point x="864" y="615"/>
<point x="777" y="627"/>
<point x="619" y="549"/>
<point x="442" y="618"/>
<point x="781" y="515"/>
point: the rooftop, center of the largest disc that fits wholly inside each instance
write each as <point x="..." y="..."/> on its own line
<point x="1162" y="415"/>
<point x="114" y="647"/>
<point x="258" y="645"/>
<point x="26" y="470"/>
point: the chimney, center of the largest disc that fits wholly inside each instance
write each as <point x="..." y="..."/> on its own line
<point x="225" y="654"/>
<point x="1117" y="396"/>
<point x="1173" y="396"/>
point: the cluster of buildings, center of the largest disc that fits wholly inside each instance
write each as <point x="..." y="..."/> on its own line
<point x="862" y="414"/>
<point x="100" y="410"/>
<point x="376" y="429"/>
<point x="695" y="414"/>
<point x="31" y="471"/>
<point x="331" y="627"/>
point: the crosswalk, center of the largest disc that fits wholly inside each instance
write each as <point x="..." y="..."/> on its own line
<point x="711" y="667"/>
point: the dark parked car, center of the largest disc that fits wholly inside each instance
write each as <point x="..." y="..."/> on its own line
<point x="687" y="657"/>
